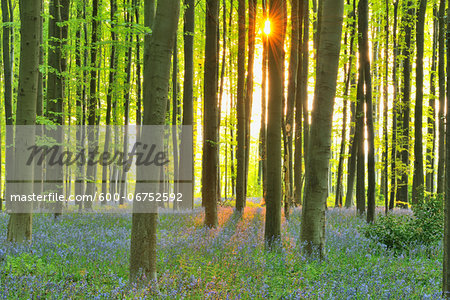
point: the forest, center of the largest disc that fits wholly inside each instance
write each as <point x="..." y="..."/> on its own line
<point x="225" y="149"/>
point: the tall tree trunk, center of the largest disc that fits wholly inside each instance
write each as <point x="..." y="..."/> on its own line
<point x="431" y="139"/>
<point x="395" y="110"/>
<point x="274" y="114"/>
<point x="221" y="88"/>
<point x="418" y="178"/>
<point x="38" y="168"/>
<point x="79" y="178"/>
<point x="8" y="69"/>
<point x="175" y="120"/>
<point x="186" y="148"/>
<point x="446" y="258"/>
<point x="241" y="110"/>
<point x="249" y="84"/>
<point x="359" y="144"/>
<point x="302" y="63"/>
<point x="57" y="36"/>
<point x="210" y="155"/>
<point x="291" y="101"/>
<point x="348" y="72"/>
<point x="317" y="166"/>
<point x="353" y="145"/>
<point x="127" y="87"/>
<point x="110" y="93"/>
<point x="402" y="192"/>
<point x="20" y="224"/>
<point x="92" y="104"/>
<point x="364" y="60"/>
<point x="385" y="181"/>
<point x="441" y="116"/>
<point x="158" y="52"/>
<point x="262" y="132"/>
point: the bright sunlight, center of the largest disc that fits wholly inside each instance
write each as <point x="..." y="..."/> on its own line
<point x="267" y="27"/>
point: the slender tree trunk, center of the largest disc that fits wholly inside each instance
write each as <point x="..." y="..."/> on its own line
<point x="38" y="168"/>
<point x="8" y="69"/>
<point x="158" y="51"/>
<point x="79" y="178"/>
<point x="274" y="115"/>
<point x="262" y="132"/>
<point x="363" y="24"/>
<point x="385" y="171"/>
<point x="291" y="101"/>
<point x="249" y="84"/>
<point x="353" y="144"/>
<point x="300" y="86"/>
<point x="402" y="192"/>
<point x="441" y="116"/>
<point x="240" y="110"/>
<point x="92" y="104"/>
<point x="348" y="73"/>
<point x="395" y="110"/>
<point x="20" y="224"/>
<point x="418" y="178"/>
<point x="186" y="148"/>
<point x="305" y="76"/>
<point x="317" y="166"/>
<point x="431" y="140"/>
<point x="210" y="155"/>
<point x="221" y="88"/>
<point x="110" y="93"/>
<point x="359" y="144"/>
<point x="57" y="33"/>
<point x="128" y="55"/>
<point x="175" y="120"/>
<point x="446" y="258"/>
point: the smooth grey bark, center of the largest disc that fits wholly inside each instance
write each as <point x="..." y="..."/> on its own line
<point x="20" y="224"/>
<point x="385" y="181"/>
<point x="349" y="73"/>
<point x="252" y="8"/>
<point x="442" y="91"/>
<point x="8" y="70"/>
<point x="418" y="177"/>
<point x="109" y="94"/>
<point x="446" y="256"/>
<point x="186" y="164"/>
<point x="241" y="110"/>
<point x="364" y="59"/>
<point x="290" y="105"/>
<point x="274" y="114"/>
<point x="394" y="112"/>
<point x="402" y="188"/>
<point x="262" y="176"/>
<point x="92" y="104"/>
<point x="317" y="166"/>
<point x="57" y="36"/>
<point x="156" y="85"/>
<point x="210" y="153"/>
<point x="431" y="122"/>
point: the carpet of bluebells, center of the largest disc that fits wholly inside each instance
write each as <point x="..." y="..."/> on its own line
<point x="85" y="256"/>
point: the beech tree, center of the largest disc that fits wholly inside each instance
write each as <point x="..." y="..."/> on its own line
<point x="157" y="61"/>
<point x="210" y="153"/>
<point x="240" y="110"/>
<point x="20" y="224"/>
<point x="418" y="179"/>
<point x="316" y="186"/>
<point x="274" y="115"/>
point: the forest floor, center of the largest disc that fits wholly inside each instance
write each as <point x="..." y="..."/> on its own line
<point x="85" y="256"/>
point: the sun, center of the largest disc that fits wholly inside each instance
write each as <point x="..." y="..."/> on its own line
<point x="267" y="27"/>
